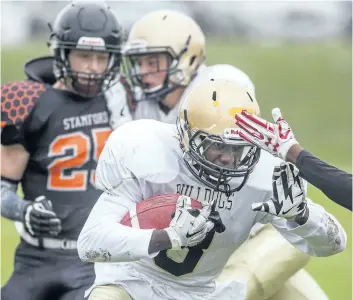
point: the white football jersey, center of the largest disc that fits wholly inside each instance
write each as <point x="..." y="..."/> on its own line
<point x="143" y="158"/>
<point x="117" y="105"/>
<point x="150" y="109"/>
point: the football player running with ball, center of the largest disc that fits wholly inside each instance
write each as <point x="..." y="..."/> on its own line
<point x="52" y="136"/>
<point x="203" y="158"/>
<point x="164" y="57"/>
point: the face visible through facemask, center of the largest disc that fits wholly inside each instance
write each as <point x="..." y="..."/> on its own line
<point x="222" y="154"/>
<point x="89" y="67"/>
<point x="151" y="69"/>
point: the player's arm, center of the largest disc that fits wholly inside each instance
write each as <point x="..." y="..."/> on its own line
<point x="37" y="216"/>
<point x="17" y="135"/>
<point x="303" y="223"/>
<point x="336" y="184"/>
<point x="321" y="235"/>
<point x="278" y="139"/>
<point x="14" y="160"/>
<point x="104" y="239"/>
<point x="14" y="150"/>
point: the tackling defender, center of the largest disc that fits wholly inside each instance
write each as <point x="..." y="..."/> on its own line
<point x="336" y="184"/>
<point x="203" y="158"/>
<point x="52" y="136"/>
<point x="161" y="65"/>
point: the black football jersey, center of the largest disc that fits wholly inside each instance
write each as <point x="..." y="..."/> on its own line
<point x="64" y="134"/>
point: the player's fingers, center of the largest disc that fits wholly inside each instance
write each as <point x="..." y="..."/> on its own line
<point x="248" y="137"/>
<point x="284" y="177"/>
<point x="244" y="123"/>
<point x="254" y="124"/>
<point x="41" y="208"/>
<point x="178" y="215"/>
<point x="50" y="204"/>
<point x="55" y="222"/>
<point x="291" y="174"/>
<point x="55" y="229"/>
<point x="275" y="186"/>
<point x="43" y="216"/>
<point x="294" y="170"/>
<point x="29" y="227"/>
<point x="213" y="206"/>
<point x="207" y="207"/>
<point x="198" y="224"/>
<point x="209" y="226"/>
<point x="40" y="198"/>
<point x="201" y="233"/>
<point x="296" y="178"/>
<point x="38" y="220"/>
<point x="276" y="115"/>
<point x="183" y="202"/>
<point x="54" y="233"/>
<point x="251" y="133"/>
<point x="258" y="207"/>
<point x="276" y="173"/>
<point x="300" y="183"/>
<point x="247" y="117"/>
<point x="267" y="207"/>
<point x="205" y="211"/>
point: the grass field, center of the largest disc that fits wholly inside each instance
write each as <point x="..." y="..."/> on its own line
<point x="312" y="84"/>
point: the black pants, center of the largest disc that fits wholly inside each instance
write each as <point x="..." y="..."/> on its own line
<point x="46" y="274"/>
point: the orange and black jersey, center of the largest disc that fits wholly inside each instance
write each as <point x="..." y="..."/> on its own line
<point x="64" y="134"/>
<point x="17" y="102"/>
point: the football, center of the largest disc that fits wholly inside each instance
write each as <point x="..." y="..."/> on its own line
<point x="154" y="212"/>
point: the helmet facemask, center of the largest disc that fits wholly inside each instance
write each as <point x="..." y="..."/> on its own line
<point x="200" y="153"/>
<point x="85" y="84"/>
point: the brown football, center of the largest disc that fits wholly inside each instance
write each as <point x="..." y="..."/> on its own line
<point x="154" y="212"/>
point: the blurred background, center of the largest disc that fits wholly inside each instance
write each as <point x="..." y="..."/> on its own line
<point x="298" y="55"/>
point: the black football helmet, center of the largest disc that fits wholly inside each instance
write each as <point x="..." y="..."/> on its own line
<point x="92" y="27"/>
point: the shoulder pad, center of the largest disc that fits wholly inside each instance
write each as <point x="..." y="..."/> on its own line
<point x="146" y="148"/>
<point x="41" y="69"/>
<point x="18" y="99"/>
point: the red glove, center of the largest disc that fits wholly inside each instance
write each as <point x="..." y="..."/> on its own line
<point x="276" y="138"/>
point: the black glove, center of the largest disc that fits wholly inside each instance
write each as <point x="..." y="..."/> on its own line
<point x="40" y="220"/>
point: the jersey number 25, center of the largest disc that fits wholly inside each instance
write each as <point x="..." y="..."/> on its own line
<point x="63" y="173"/>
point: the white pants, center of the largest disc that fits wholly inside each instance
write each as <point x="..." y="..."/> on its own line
<point x="271" y="267"/>
<point x="138" y="286"/>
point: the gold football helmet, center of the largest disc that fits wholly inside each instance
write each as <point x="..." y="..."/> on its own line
<point x="213" y="150"/>
<point x="169" y="33"/>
